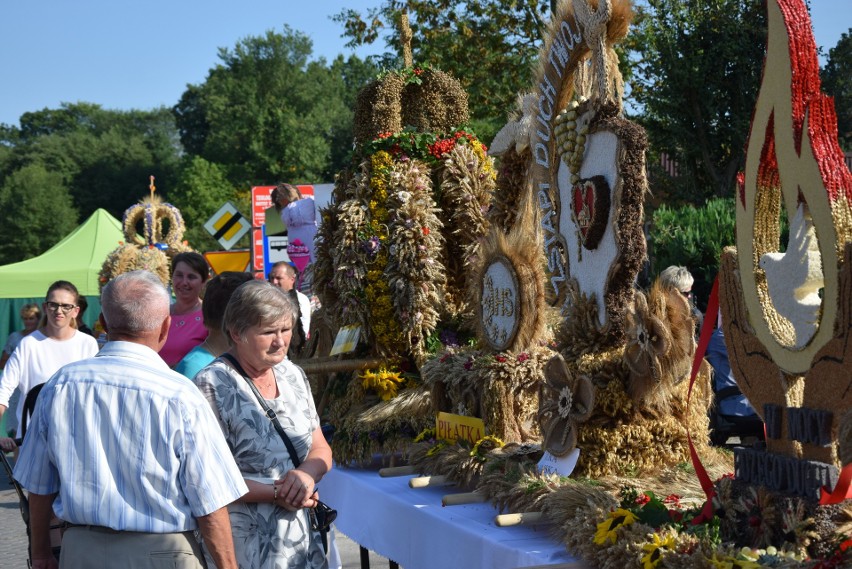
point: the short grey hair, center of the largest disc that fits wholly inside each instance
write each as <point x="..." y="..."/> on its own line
<point x="255" y="303"/>
<point x="676" y="277"/>
<point x="134" y="302"/>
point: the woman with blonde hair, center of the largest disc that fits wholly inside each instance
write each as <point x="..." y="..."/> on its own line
<point x="679" y="279"/>
<point x="30" y="316"/>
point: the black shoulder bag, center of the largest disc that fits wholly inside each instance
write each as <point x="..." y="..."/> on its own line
<point x="322" y="515"/>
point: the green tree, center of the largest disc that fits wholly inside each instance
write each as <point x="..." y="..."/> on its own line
<point x="489" y="46"/>
<point x="37" y="213"/>
<point x="696" y="73"/>
<point x="837" y="81"/>
<point x="200" y="191"/>
<point x="103" y="157"/>
<point x="268" y="112"/>
<point x="355" y="73"/>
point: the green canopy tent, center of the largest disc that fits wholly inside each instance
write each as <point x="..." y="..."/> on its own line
<point x="76" y="258"/>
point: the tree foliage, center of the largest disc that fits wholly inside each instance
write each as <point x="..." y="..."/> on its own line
<point x="268" y="112"/>
<point x="37" y="212"/>
<point x="199" y="193"/>
<point x="837" y="82"/>
<point x="696" y="74"/>
<point x="102" y="157"/>
<point x="489" y="46"/>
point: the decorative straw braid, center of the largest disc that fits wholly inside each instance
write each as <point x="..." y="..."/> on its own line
<point x="414" y="273"/>
<point x="465" y="194"/>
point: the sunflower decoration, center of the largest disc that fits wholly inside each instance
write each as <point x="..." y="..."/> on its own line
<point x="485" y="445"/>
<point x="564" y="402"/>
<point x="385" y="383"/>
<point x="608" y="529"/>
<point x="655" y="550"/>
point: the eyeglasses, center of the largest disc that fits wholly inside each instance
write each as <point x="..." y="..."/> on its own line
<point x="687" y="294"/>
<point x="55" y="306"/>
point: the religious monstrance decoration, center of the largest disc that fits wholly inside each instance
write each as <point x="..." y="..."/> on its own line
<point x="510" y="299"/>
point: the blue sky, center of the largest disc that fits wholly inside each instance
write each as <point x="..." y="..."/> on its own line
<point x="140" y="55"/>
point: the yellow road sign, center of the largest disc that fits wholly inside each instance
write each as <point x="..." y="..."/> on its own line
<point x="227" y="225"/>
<point x="221" y="261"/>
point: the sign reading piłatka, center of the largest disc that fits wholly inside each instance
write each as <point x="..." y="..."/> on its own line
<point x="450" y="428"/>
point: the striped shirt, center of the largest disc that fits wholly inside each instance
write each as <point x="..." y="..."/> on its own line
<point x="128" y="444"/>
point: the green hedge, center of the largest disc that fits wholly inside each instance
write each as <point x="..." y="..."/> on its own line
<point x="694" y="238"/>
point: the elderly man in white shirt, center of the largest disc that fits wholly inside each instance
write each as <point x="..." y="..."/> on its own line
<point x="128" y="451"/>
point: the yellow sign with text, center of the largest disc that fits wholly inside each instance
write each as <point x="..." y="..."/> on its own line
<point x="451" y="428"/>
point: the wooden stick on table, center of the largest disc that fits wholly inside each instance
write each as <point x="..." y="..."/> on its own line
<point x="391" y="471"/>
<point x="463" y="498"/>
<point x="520" y="518"/>
<point x="426" y="481"/>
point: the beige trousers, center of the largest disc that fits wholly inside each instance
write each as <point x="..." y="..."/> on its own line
<point x="94" y="547"/>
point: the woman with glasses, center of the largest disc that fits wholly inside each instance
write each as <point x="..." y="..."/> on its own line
<point x="680" y="279"/>
<point x="57" y="342"/>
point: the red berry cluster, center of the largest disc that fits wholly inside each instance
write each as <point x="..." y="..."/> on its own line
<point x="444" y="145"/>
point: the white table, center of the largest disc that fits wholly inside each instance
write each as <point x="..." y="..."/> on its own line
<point x="412" y="528"/>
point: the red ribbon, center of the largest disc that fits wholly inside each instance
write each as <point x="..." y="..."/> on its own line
<point x="842" y="490"/>
<point x="703" y="342"/>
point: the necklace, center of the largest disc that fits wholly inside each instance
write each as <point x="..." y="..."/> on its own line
<point x="268" y="387"/>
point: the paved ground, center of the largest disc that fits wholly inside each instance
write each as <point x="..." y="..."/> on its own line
<point x="13" y="533"/>
<point x="13" y="536"/>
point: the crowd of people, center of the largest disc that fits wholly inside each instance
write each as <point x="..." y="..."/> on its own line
<point x="121" y="443"/>
<point x="158" y="446"/>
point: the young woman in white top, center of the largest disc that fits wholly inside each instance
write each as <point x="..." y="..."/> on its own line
<point x="40" y="354"/>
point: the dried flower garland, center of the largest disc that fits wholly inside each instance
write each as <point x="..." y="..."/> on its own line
<point x="500" y="388"/>
<point x="468" y="181"/>
<point x="414" y="272"/>
<point x="366" y="425"/>
<point x="374" y="244"/>
<point x="323" y="267"/>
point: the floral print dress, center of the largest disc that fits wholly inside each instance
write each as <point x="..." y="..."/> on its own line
<point x="265" y="536"/>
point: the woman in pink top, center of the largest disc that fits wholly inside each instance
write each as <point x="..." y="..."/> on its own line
<point x="189" y="273"/>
